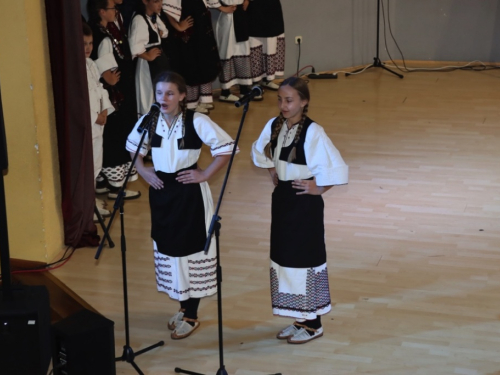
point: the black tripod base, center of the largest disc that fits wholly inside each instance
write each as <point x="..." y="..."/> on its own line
<point x="179" y="370"/>
<point x="221" y="371"/>
<point x="129" y="355"/>
<point x="376" y="64"/>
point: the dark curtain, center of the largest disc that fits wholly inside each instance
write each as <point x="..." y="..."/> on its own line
<point x="74" y="133"/>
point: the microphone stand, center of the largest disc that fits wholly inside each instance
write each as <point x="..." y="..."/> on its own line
<point x="215" y="226"/>
<point x="376" y="60"/>
<point x="103" y="226"/>
<point x="128" y="353"/>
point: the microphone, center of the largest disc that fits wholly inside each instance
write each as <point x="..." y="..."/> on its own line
<point x="255" y="91"/>
<point x="155" y="108"/>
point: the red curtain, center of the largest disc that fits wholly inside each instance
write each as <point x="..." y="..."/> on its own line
<point x="74" y="133"/>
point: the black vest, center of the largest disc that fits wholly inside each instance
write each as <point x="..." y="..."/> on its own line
<point x="300" y="156"/>
<point x="191" y="139"/>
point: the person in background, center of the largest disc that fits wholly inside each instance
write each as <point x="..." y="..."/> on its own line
<point x="231" y="32"/>
<point x="100" y="108"/>
<point x="193" y="44"/>
<point x="146" y="32"/>
<point x="113" y="59"/>
<point x="267" y="41"/>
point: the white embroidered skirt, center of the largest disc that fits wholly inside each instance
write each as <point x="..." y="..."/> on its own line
<point x="301" y="293"/>
<point x="192" y="276"/>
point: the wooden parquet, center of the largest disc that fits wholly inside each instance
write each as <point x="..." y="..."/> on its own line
<point x="413" y="241"/>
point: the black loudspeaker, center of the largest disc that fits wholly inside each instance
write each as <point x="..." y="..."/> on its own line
<point x="83" y="344"/>
<point x="24" y="331"/>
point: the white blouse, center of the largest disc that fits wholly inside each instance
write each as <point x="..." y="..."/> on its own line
<point x="98" y="96"/>
<point x="168" y="158"/>
<point x="323" y="159"/>
<point x="139" y="34"/>
<point x="105" y="57"/>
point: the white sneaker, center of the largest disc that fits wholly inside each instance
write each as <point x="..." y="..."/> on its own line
<point x="269" y="84"/>
<point x="230" y="98"/>
<point x="302" y="336"/>
<point x="102" y="190"/>
<point x="255" y="98"/>
<point x="201" y="109"/>
<point x="208" y="106"/>
<point x="289" y="331"/>
<point x="184" y="329"/>
<point x="103" y="212"/>
<point x="175" y="320"/>
<point x="100" y="203"/>
<point x="129" y="194"/>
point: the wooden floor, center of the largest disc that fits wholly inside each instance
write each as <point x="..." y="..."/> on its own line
<point x="413" y="241"/>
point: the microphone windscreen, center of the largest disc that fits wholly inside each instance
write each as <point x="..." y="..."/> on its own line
<point x="257" y="90"/>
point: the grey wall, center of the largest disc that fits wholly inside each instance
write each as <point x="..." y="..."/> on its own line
<point x="342" y="33"/>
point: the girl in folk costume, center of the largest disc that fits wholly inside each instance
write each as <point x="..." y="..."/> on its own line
<point x="193" y="44"/>
<point x="146" y="33"/>
<point x="303" y="164"/>
<point x="116" y="68"/>
<point x="231" y="32"/>
<point x="267" y="41"/>
<point x="180" y="198"/>
<point x="100" y="107"/>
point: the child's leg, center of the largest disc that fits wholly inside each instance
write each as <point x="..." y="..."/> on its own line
<point x="97" y="150"/>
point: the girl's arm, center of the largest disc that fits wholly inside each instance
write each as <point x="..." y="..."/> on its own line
<point x="147" y="173"/>
<point x="151" y="54"/>
<point x="195" y="176"/>
<point x="183" y="25"/>
<point x="274" y="175"/>
<point x="309" y="187"/>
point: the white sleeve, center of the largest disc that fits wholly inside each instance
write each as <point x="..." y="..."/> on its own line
<point x="134" y="138"/>
<point x="213" y="135"/>
<point x="216" y="3"/>
<point x="173" y="8"/>
<point x="258" y="156"/>
<point x="323" y="159"/>
<point x="162" y="28"/>
<point x="212" y="3"/>
<point x="102" y="93"/>
<point x="139" y="36"/>
<point x="105" y="58"/>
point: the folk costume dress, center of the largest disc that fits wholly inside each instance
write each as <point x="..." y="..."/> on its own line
<point x="267" y="39"/>
<point x="113" y="52"/>
<point x="145" y="35"/>
<point x="181" y="213"/>
<point x="299" y="276"/>
<point x="194" y="50"/>
<point x="99" y="101"/>
<point x="231" y="33"/>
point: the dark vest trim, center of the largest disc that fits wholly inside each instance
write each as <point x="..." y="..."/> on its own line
<point x="153" y="35"/>
<point x="161" y="62"/>
<point x="299" y="151"/>
<point x="191" y="139"/>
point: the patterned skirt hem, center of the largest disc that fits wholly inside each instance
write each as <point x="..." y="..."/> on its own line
<point x="310" y="315"/>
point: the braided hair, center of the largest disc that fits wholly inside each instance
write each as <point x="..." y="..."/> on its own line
<point x="303" y="90"/>
<point x="176" y="79"/>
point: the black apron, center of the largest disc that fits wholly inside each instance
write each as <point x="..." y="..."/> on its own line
<point x="297" y="228"/>
<point x="177" y="211"/>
